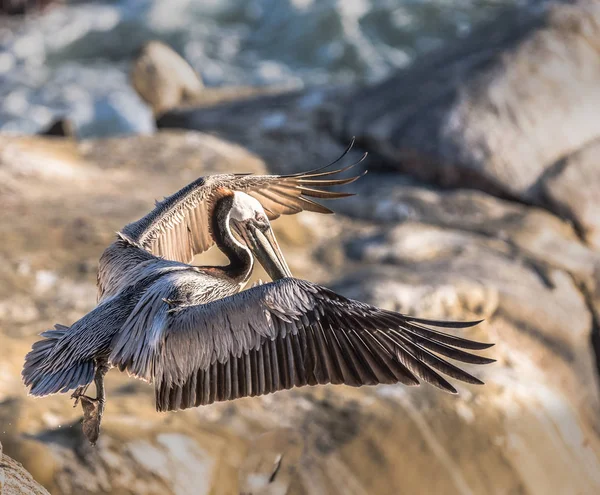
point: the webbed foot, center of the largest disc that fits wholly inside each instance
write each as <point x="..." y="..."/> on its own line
<point x="93" y="409"/>
<point x="92" y="417"/>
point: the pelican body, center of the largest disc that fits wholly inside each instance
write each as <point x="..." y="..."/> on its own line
<point x="194" y="333"/>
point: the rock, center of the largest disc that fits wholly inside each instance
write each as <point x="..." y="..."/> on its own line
<point x="572" y="188"/>
<point x="15" y="480"/>
<point x="338" y="440"/>
<point x="530" y="233"/>
<point x="532" y="429"/>
<point x="162" y="78"/>
<point x="498" y="110"/>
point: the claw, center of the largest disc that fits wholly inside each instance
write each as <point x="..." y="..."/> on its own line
<point x="79" y="391"/>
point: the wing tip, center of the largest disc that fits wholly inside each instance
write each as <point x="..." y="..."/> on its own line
<point x="446" y="323"/>
<point x="330" y="164"/>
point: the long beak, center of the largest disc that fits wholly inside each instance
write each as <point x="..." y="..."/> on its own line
<point x="264" y="246"/>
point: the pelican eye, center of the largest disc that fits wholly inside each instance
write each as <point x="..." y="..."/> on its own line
<point x="261" y="221"/>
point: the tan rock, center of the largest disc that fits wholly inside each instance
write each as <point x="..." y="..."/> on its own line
<point x="163" y="78"/>
<point x="573" y="189"/>
<point x="533" y="428"/>
<point x="15" y="480"/>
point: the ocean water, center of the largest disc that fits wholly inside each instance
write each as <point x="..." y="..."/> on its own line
<point x="72" y="60"/>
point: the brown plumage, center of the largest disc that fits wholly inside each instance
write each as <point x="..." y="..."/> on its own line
<point x="179" y="226"/>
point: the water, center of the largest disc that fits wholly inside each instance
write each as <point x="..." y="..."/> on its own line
<point x="73" y="60"/>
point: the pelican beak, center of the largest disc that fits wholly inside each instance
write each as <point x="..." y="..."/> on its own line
<point x="264" y="246"/>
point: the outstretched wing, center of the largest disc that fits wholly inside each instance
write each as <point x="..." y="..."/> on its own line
<point x="178" y="227"/>
<point x="285" y="334"/>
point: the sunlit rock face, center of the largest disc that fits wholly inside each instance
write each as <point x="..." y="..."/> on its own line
<point x="533" y="428"/>
<point x="15" y="480"/>
<point x="162" y="78"/>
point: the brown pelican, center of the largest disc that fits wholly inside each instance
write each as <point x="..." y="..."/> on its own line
<point x="192" y="331"/>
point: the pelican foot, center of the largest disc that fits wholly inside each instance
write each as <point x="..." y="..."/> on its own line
<point x="92" y="417"/>
<point x="79" y="391"/>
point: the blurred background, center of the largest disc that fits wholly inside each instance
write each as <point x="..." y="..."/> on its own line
<point x="482" y="201"/>
<point x="73" y="60"/>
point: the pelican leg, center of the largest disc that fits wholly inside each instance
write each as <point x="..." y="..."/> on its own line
<point x="93" y="409"/>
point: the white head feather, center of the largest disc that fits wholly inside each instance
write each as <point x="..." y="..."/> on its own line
<point x="244" y="207"/>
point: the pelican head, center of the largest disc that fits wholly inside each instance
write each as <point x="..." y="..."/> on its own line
<point x="250" y="223"/>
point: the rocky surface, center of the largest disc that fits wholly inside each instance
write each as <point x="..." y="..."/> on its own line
<point x="162" y="78"/>
<point x="15" y="480"/>
<point x="509" y="110"/>
<point x="571" y="190"/>
<point x="533" y="428"/>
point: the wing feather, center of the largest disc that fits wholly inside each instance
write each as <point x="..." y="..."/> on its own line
<point x="277" y="336"/>
<point x="178" y="228"/>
